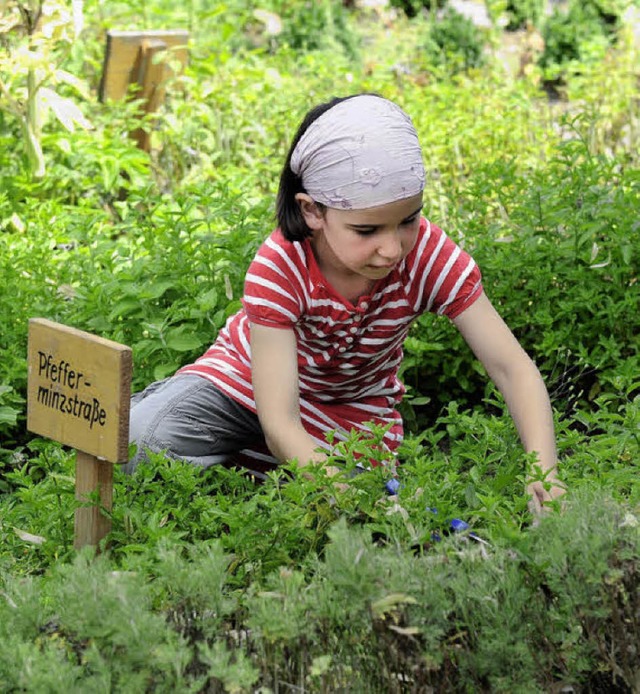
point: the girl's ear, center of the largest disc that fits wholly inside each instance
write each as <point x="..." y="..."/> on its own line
<point x="311" y="213"/>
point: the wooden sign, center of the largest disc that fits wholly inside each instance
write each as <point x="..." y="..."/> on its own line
<point x="141" y="59"/>
<point x="79" y="388"/>
<point x="122" y="61"/>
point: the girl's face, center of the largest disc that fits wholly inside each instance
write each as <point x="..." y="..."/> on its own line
<point x="366" y="243"/>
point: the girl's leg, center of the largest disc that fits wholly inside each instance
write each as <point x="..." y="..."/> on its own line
<point x="188" y="418"/>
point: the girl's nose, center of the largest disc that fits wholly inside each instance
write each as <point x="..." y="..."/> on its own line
<point x="391" y="246"/>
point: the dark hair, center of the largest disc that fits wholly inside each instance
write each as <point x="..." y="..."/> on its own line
<point x="288" y="213"/>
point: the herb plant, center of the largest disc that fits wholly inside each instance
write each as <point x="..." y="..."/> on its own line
<point x="211" y="581"/>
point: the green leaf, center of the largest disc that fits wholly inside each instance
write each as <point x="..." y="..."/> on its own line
<point x="320" y="665"/>
<point x="181" y="342"/>
<point x="420" y="401"/>
<point x="389" y="602"/>
<point x="163" y="370"/>
<point x="8" y="415"/>
<point x="154" y="290"/>
<point x="64" y="110"/>
<point x="208" y="300"/>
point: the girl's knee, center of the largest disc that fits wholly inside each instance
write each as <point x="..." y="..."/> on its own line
<point x="145" y="421"/>
<point x="138" y="453"/>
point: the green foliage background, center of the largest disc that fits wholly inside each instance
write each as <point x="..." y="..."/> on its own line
<point x="212" y="582"/>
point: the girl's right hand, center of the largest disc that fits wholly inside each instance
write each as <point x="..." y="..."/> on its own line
<point x="274" y="372"/>
<point x="539" y="497"/>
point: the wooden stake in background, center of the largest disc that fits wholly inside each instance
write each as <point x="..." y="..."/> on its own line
<point x="141" y="59"/>
<point x="79" y="390"/>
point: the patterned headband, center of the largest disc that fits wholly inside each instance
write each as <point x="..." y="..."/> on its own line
<point x="362" y="152"/>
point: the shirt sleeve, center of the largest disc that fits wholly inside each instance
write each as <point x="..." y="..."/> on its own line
<point x="444" y="278"/>
<point x="273" y="287"/>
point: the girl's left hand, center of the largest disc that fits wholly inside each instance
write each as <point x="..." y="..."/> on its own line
<point x="539" y="496"/>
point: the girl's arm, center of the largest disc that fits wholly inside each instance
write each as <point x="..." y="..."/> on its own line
<point x="519" y="381"/>
<point x="274" y="369"/>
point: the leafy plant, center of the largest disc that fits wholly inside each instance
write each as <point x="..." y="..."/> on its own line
<point x="413" y="7"/>
<point x="520" y="13"/>
<point x="580" y="33"/>
<point x="313" y="25"/>
<point x="11" y="405"/>
<point x="574" y="36"/>
<point x="30" y="68"/>
<point x="455" y="42"/>
<point x="210" y="581"/>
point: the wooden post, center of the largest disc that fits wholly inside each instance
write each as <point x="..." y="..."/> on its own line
<point x="151" y="74"/>
<point x="79" y="390"/>
<point x="133" y="59"/>
<point x="91" y="524"/>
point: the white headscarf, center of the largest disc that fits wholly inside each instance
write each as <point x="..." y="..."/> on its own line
<point x="362" y="152"/>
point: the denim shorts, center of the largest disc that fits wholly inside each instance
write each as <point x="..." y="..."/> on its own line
<point x="187" y="417"/>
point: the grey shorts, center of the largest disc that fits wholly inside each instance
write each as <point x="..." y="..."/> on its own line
<point x="189" y="418"/>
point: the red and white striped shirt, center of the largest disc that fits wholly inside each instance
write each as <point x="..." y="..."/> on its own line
<point x="348" y="354"/>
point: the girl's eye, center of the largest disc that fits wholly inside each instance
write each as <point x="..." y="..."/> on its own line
<point x="369" y="231"/>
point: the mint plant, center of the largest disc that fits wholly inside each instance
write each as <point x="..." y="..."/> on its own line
<point x="213" y="581"/>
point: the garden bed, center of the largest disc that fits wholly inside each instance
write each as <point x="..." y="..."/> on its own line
<point x="209" y="582"/>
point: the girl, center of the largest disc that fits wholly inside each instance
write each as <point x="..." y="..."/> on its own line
<point x="328" y="301"/>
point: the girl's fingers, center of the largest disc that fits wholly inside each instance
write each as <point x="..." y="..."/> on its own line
<point x="557" y="490"/>
<point x="540" y="497"/>
<point x="534" y="505"/>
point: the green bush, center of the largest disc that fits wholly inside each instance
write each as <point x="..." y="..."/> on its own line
<point x="580" y="33"/>
<point x="413" y="7"/>
<point x="521" y="13"/>
<point x="555" y="605"/>
<point x="576" y="35"/>
<point x="454" y="42"/>
<point x="210" y="582"/>
<point x="318" y="24"/>
<point x="302" y="26"/>
<point x="535" y="235"/>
